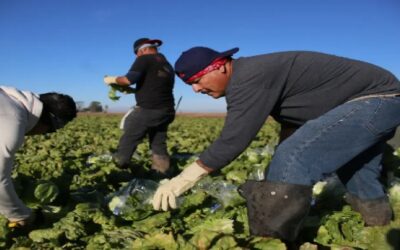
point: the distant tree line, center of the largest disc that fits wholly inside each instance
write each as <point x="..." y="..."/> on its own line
<point x="94" y="106"/>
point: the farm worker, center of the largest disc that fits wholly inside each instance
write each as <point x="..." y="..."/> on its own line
<point x="25" y="113"/>
<point x="345" y="110"/>
<point x="154" y="111"/>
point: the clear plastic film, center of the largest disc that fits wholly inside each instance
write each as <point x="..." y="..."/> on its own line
<point x="224" y="192"/>
<point x="133" y="201"/>
<point x="102" y="158"/>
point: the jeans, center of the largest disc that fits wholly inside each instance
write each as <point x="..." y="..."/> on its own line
<point x="139" y="123"/>
<point x="347" y="140"/>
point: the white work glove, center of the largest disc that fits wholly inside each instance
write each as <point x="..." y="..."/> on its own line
<point x="110" y="80"/>
<point x="166" y="194"/>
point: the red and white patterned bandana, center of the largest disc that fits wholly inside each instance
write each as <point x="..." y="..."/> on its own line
<point x="216" y="64"/>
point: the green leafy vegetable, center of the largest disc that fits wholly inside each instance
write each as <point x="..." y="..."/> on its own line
<point x="344" y="228"/>
<point x="4" y="231"/>
<point x="46" y="192"/>
<point x="82" y="214"/>
<point x="112" y="93"/>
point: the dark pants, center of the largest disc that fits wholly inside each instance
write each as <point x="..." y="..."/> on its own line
<point x="138" y="124"/>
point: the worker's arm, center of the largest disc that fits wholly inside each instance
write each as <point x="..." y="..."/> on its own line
<point x="133" y="76"/>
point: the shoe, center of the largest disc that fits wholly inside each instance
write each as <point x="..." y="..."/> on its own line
<point x="376" y="212"/>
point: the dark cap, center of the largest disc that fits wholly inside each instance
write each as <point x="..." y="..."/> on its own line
<point x="58" y="109"/>
<point x="196" y="59"/>
<point x="139" y="42"/>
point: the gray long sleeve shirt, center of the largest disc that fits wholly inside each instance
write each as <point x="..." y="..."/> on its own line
<point x="19" y="113"/>
<point x="293" y="87"/>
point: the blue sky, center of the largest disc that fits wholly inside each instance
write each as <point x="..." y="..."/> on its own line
<point x="69" y="45"/>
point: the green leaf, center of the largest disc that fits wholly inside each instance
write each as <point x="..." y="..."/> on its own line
<point x="46" y="192"/>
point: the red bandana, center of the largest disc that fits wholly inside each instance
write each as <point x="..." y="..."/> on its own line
<point x="216" y="64"/>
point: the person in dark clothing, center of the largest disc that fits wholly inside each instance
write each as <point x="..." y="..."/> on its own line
<point x="154" y="110"/>
<point x="336" y="115"/>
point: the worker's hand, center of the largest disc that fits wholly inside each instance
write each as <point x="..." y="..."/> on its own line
<point x="165" y="196"/>
<point x="127" y="90"/>
<point x="18" y="223"/>
<point x="110" y="80"/>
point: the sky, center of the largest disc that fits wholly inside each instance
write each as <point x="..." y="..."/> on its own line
<point x="68" y="46"/>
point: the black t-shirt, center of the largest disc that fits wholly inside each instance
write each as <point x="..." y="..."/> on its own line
<point x="293" y="87"/>
<point x="154" y="77"/>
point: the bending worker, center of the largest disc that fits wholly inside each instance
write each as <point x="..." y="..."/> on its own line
<point x="25" y="113"/>
<point x="154" y="110"/>
<point x="345" y="111"/>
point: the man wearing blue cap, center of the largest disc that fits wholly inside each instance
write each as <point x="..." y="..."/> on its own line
<point x="344" y="109"/>
<point x="154" y="110"/>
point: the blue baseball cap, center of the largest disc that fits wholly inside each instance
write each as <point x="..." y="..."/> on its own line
<point x="196" y="59"/>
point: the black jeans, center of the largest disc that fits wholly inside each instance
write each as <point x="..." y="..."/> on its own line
<point x="139" y="123"/>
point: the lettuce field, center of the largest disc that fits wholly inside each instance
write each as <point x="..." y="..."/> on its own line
<point x="75" y="191"/>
